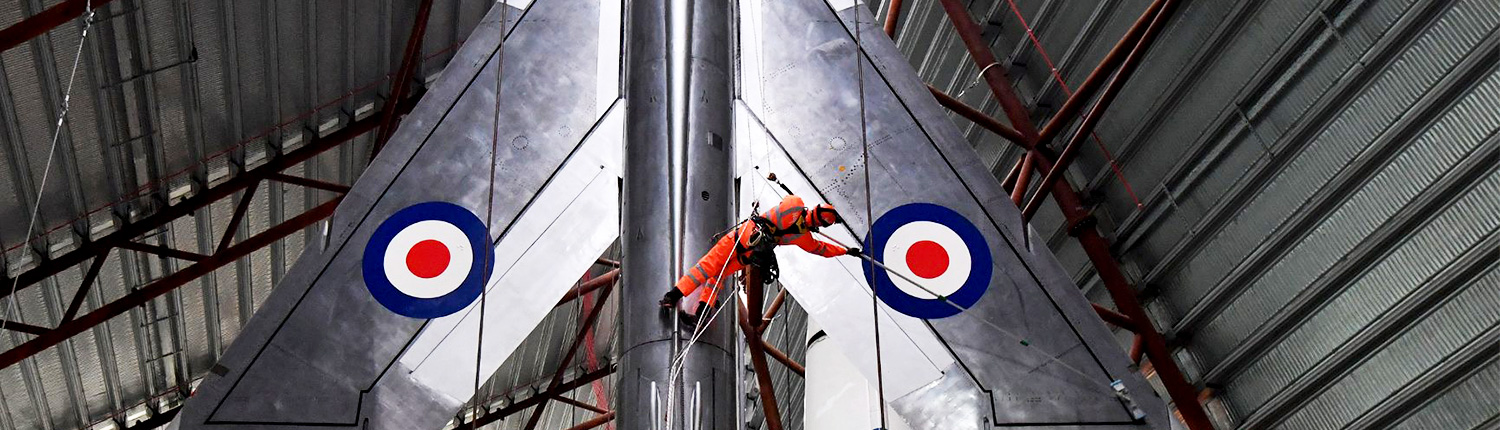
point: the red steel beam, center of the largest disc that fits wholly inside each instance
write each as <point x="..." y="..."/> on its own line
<point x="239" y="216"/>
<point x="753" y="290"/>
<point x="84" y="287"/>
<point x="1081" y="226"/>
<point x="892" y="17"/>
<point x="410" y="58"/>
<point x="164" y="285"/>
<point x="23" y="327"/>
<point x="783" y="358"/>
<point x="1137" y="347"/>
<point x="589" y="286"/>
<point x="543" y="397"/>
<point x="972" y="114"/>
<point x="583" y="331"/>
<point x="765" y="321"/>
<point x="1023" y="177"/>
<point x="309" y="183"/>
<point x="128" y="232"/>
<point x="1090" y="84"/>
<point x="1070" y="152"/>
<point x="39" y="24"/>
<point x="1112" y="317"/>
<point x="581" y="405"/>
<point x="1009" y="182"/>
<point x="595" y="421"/>
<point x="994" y="75"/>
<point x="162" y="251"/>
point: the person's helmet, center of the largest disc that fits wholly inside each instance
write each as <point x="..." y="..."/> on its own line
<point x="824" y="215"/>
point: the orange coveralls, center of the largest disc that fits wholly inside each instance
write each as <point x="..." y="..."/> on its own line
<point x="715" y="266"/>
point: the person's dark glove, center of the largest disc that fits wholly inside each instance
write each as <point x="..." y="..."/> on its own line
<point x="853" y="252"/>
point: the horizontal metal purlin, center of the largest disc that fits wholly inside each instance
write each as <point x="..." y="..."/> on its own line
<point x="41" y="23"/>
<point x="171" y="282"/>
<point x="165" y="285"/>
<point x="539" y="398"/>
<point x="127" y="233"/>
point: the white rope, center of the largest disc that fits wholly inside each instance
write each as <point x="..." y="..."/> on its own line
<point x="675" y="369"/>
<point x="975" y="81"/>
<point x="489" y="213"/>
<point x="88" y="22"/>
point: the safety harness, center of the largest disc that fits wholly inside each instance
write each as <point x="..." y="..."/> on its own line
<point x="760" y="252"/>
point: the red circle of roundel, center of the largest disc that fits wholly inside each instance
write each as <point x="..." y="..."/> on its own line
<point x="427" y="259"/>
<point x="927" y="259"/>
<point x="964" y="263"/>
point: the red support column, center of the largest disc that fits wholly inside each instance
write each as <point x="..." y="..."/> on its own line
<point x="753" y="289"/>
<point x="1116" y="82"/>
<point x="1023" y="178"/>
<point x="164" y="285"/>
<point x="583" y="331"/>
<point x="1079" y="221"/>
<point x="892" y="17"/>
<point x="1112" y="317"/>
<point x="1182" y="392"/>
<point x="595" y="422"/>
<point x="125" y="236"/>
<point x="1096" y="77"/>
<point x="972" y="114"/>
<point x="994" y="74"/>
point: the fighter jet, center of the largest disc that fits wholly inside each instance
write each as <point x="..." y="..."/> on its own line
<point x="530" y="156"/>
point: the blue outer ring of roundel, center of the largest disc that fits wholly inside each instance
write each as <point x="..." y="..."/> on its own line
<point x="967" y="295"/>
<point x="374" y="267"/>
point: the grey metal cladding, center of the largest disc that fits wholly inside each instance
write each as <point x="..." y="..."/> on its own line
<point x="812" y="107"/>
<point x="321" y="351"/>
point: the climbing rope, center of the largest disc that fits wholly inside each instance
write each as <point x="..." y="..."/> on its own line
<point x="859" y="73"/>
<point x="489" y="215"/>
<point x="675" y="369"/>
<point x="62" y="117"/>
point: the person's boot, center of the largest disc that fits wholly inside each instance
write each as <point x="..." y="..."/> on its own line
<point x="670" y="300"/>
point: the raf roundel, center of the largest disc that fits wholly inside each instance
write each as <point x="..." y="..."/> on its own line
<point x="427" y="260"/>
<point x="936" y="247"/>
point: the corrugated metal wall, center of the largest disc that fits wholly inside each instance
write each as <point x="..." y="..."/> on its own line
<point x="172" y="96"/>
<point x="1318" y="224"/>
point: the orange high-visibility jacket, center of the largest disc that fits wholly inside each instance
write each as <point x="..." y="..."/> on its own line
<point x="720" y="263"/>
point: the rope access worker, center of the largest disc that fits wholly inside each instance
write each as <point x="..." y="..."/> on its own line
<point x="789" y="223"/>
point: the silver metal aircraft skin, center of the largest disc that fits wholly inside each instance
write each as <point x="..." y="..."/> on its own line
<point x="322" y="352"/>
<point x="801" y="116"/>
